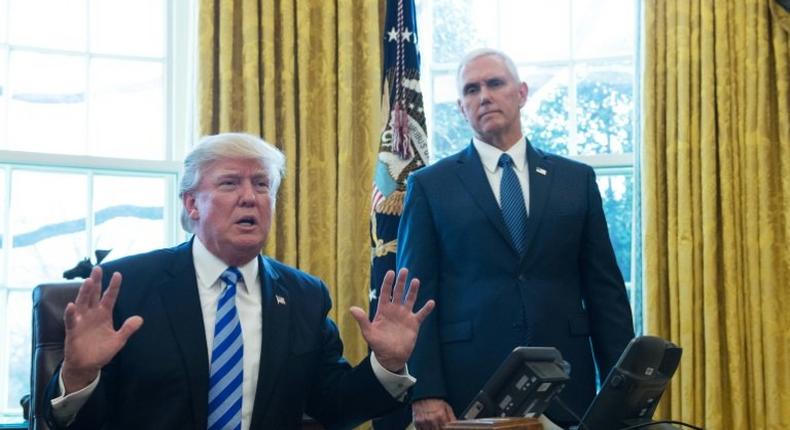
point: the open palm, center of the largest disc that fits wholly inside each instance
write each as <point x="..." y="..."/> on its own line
<point x="91" y="339"/>
<point x="393" y="332"/>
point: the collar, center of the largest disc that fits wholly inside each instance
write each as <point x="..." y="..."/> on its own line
<point x="489" y="154"/>
<point x="208" y="267"/>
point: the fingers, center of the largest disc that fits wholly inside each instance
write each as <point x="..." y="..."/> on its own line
<point x="129" y="327"/>
<point x="111" y="295"/>
<point x="400" y="283"/>
<point x="385" y="292"/>
<point x="69" y="316"/>
<point x="448" y="412"/>
<point x="89" y="288"/>
<point x="411" y="296"/>
<point x="431" y="414"/>
<point x="95" y="292"/>
<point x="426" y="309"/>
<point x="361" y="317"/>
<point x="396" y="293"/>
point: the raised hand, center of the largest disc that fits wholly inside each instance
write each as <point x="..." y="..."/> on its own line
<point x="91" y="340"/>
<point x="393" y="331"/>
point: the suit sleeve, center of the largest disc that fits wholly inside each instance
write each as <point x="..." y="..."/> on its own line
<point x="604" y="293"/>
<point x="343" y="397"/>
<point x="419" y="251"/>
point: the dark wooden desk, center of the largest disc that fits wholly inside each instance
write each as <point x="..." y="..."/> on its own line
<point x="497" y="424"/>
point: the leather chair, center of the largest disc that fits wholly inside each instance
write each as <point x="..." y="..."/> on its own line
<point x="49" y="302"/>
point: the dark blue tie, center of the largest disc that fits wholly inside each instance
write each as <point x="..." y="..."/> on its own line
<point x="225" y="383"/>
<point x="512" y="202"/>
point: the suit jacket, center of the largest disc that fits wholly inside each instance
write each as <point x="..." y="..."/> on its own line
<point x="159" y="380"/>
<point x="566" y="292"/>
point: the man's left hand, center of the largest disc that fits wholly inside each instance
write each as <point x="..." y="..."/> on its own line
<point x="393" y="331"/>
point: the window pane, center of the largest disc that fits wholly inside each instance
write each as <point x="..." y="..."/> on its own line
<point x="3" y="20"/>
<point x="3" y="91"/>
<point x="545" y="116"/>
<point x="116" y="27"/>
<point x="18" y="317"/>
<point x="604" y="107"/>
<point x="54" y="24"/>
<point x="450" y="132"/>
<point x="535" y="30"/>
<point x="617" y="192"/>
<point x="450" y="44"/>
<point x="128" y="214"/>
<point x="603" y="28"/>
<point x="48" y="213"/>
<point x="46" y="89"/>
<point x="3" y="234"/>
<point x="125" y="95"/>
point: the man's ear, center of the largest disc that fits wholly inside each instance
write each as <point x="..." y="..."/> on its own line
<point x="461" y="109"/>
<point x="523" y="91"/>
<point x="190" y="205"/>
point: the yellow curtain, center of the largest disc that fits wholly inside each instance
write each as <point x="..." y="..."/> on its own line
<point x="716" y="162"/>
<point x="305" y="75"/>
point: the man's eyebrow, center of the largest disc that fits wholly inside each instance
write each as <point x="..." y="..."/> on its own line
<point x="470" y="85"/>
<point x="228" y="175"/>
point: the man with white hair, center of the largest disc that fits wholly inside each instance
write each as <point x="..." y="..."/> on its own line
<point x="211" y="334"/>
<point x="512" y="244"/>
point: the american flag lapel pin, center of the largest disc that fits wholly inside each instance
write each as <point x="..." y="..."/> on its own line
<point x="541" y="171"/>
<point x="280" y="299"/>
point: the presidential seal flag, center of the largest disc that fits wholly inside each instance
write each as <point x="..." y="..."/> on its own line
<point x="403" y="144"/>
<point x="402" y="148"/>
<point x="781" y="11"/>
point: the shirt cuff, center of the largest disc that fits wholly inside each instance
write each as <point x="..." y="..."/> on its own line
<point x="65" y="408"/>
<point x="397" y="384"/>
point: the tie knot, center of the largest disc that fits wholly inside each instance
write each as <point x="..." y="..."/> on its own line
<point x="505" y="161"/>
<point x="231" y="275"/>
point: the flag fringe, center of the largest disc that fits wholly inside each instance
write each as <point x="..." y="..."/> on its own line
<point x="781" y="14"/>
<point x="392" y="204"/>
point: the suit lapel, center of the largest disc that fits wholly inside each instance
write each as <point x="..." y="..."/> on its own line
<point x="540" y="178"/>
<point x="471" y="172"/>
<point x="275" y="340"/>
<point x="182" y="305"/>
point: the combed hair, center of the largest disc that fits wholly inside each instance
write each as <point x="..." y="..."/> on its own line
<point x="484" y="52"/>
<point x="228" y="146"/>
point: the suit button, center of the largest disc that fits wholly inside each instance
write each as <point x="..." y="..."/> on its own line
<point x="523" y="278"/>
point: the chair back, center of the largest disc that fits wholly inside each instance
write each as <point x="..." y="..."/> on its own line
<point x="49" y="303"/>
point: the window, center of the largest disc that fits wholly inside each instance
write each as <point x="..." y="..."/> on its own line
<point x="579" y="59"/>
<point x="93" y="123"/>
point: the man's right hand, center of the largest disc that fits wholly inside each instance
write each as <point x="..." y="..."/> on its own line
<point x="431" y="414"/>
<point x="91" y="340"/>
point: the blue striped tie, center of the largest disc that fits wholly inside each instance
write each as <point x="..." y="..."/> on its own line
<point x="512" y="202"/>
<point x="225" y="383"/>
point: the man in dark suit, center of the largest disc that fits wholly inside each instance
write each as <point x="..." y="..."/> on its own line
<point x="514" y="249"/>
<point x="232" y="339"/>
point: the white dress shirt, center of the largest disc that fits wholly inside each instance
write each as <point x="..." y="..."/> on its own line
<point x="489" y="156"/>
<point x="208" y="269"/>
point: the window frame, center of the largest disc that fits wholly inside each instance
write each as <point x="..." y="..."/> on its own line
<point x="603" y="164"/>
<point x="180" y="130"/>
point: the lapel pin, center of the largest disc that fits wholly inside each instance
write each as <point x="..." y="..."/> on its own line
<point x="541" y="171"/>
<point x="280" y="299"/>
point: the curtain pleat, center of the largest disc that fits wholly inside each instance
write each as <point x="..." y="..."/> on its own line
<point x="305" y="75"/>
<point x="716" y="202"/>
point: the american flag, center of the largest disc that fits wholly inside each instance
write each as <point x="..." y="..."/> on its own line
<point x="403" y="148"/>
<point x="403" y="145"/>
